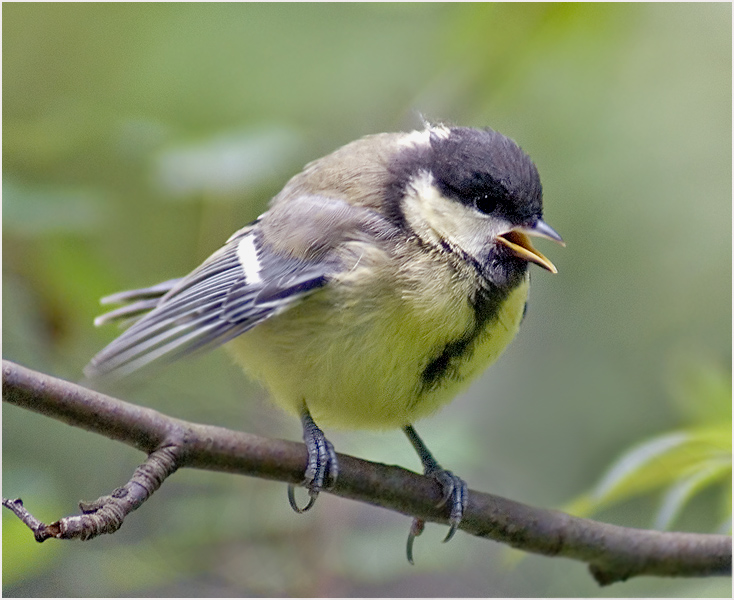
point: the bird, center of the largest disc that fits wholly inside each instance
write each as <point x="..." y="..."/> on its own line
<point x="382" y="279"/>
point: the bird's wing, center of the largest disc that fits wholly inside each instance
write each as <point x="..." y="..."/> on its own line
<point x="245" y="282"/>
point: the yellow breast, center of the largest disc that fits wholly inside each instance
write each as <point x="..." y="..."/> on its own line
<point x="357" y="360"/>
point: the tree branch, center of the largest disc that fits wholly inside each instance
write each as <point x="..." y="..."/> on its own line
<point x="613" y="553"/>
<point x="106" y="514"/>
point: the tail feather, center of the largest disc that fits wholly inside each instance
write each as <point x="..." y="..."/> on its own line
<point x="137" y="303"/>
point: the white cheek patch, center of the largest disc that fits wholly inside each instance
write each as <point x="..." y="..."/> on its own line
<point x="436" y="218"/>
<point x="249" y="261"/>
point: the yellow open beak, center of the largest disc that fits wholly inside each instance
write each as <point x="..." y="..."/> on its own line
<point x="518" y="241"/>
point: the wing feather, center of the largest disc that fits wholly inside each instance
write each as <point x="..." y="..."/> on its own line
<point x="206" y="309"/>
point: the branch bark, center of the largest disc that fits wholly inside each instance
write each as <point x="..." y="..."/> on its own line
<point x="613" y="553"/>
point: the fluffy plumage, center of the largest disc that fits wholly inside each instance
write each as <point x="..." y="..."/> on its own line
<point x="383" y="278"/>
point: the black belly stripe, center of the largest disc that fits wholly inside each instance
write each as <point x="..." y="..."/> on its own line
<point x="446" y="365"/>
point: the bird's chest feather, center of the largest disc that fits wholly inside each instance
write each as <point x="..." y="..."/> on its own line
<point x="361" y="355"/>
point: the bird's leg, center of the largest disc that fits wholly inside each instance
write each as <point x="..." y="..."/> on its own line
<point x="455" y="491"/>
<point x="322" y="468"/>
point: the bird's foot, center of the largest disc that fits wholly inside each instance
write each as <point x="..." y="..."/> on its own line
<point x="322" y="468"/>
<point x="455" y="494"/>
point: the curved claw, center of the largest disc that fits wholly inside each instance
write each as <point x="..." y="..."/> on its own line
<point x="294" y="504"/>
<point x="452" y="531"/>
<point x="416" y="528"/>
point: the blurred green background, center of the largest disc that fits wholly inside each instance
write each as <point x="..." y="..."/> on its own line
<point x="138" y="137"/>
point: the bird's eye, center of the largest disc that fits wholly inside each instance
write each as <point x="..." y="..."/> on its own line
<point x="485" y="203"/>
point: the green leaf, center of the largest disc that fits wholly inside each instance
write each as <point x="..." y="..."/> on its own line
<point x="661" y="460"/>
<point x="688" y="460"/>
<point x="681" y="492"/>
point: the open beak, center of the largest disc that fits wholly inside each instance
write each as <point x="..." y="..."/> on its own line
<point x="518" y="241"/>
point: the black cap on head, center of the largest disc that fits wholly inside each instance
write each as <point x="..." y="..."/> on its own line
<point x="485" y="169"/>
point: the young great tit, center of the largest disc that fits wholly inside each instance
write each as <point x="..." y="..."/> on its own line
<point x="383" y="278"/>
